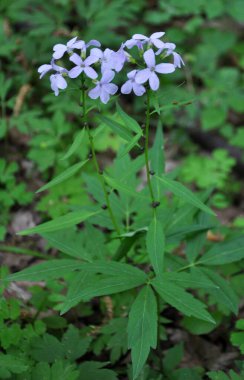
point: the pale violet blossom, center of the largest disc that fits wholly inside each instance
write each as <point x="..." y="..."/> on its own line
<point x="72" y="44"/>
<point x="104" y="89"/>
<point x="82" y="66"/>
<point x="170" y="47"/>
<point x="132" y="42"/>
<point x="150" y="72"/>
<point x="106" y="58"/>
<point x="44" y="69"/>
<point x="119" y="58"/>
<point x="131" y="85"/>
<point x="57" y="82"/>
<point x="154" y="39"/>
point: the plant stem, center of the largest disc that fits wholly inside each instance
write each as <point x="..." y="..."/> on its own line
<point x="94" y="157"/>
<point x="146" y="147"/>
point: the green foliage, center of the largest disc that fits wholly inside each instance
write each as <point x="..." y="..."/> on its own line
<point x="237" y="338"/>
<point x="142" y="328"/>
<point x="155" y="244"/>
<point x="208" y="171"/>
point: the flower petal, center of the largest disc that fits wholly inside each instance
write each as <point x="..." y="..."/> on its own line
<point x="130" y="43"/>
<point x="97" y="53"/>
<point x="131" y="74"/>
<point x="104" y="96"/>
<point x="93" y="43"/>
<point x="71" y="42"/>
<point x="178" y="61"/>
<point x="90" y="60"/>
<point x="43" y="69"/>
<point x="75" y="72"/>
<point x="142" y="76"/>
<point x="138" y="89"/>
<point x="78" y="45"/>
<point x="153" y="81"/>
<point x="75" y="58"/>
<point x="157" y="35"/>
<point x="107" y="76"/>
<point x="159" y="44"/>
<point x="139" y="37"/>
<point x="127" y="87"/>
<point x="110" y="88"/>
<point x="90" y="72"/>
<point x="95" y="92"/>
<point x="54" y="86"/>
<point x="169" y="45"/>
<point x="61" y="82"/>
<point x="59" y="51"/>
<point x="149" y="58"/>
<point x="165" y="68"/>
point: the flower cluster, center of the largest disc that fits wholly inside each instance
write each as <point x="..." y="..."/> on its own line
<point x="100" y="66"/>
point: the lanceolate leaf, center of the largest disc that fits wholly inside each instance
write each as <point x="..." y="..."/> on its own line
<point x="193" y="280"/>
<point x="142" y="328"/>
<point x="75" y="145"/>
<point x="181" y="300"/>
<point x="63" y="176"/>
<point x="129" y="146"/>
<point x="58" y="268"/>
<point x="224" y="253"/>
<point x="60" y="223"/>
<point x="123" y="188"/>
<point x="78" y="283"/>
<point x="183" y="193"/>
<point x="46" y="271"/>
<point x="117" y="128"/>
<point x="129" y="122"/>
<point x="155" y="245"/>
<point x="224" y="294"/>
<point x="87" y="284"/>
<point x="101" y="286"/>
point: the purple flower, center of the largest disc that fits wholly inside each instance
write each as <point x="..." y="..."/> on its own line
<point x="178" y="61"/>
<point x="104" y="88"/>
<point x="72" y="44"/>
<point x="57" y="82"/>
<point x="150" y="72"/>
<point x="131" y="84"/>
<point x="132" y="42"/>
<point x="93" y="43"/>
<point x="119" y="58"/>
<point x="82" y="66"/>
<point x="152" y="40"/>
<point x="44" y="69"/>
<point x="105" y="57"/>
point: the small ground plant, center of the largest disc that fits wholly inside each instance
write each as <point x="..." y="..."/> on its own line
<point x="138" y="245"/>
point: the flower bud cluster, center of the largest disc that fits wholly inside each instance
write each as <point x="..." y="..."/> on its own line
<point x="100" y="66"/>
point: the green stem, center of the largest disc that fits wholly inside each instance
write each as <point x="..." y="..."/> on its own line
<point x="146" y="147"/>
<point x="94" y="157"/>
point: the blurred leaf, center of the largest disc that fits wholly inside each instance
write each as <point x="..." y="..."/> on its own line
<point x="181" y="300"/>
<point x="63" y="176"/>
<point x="142" y="328"/>
<point x="155" y="240"/>
<point x="60" y="223"/>
<point x="183" y="193"/>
